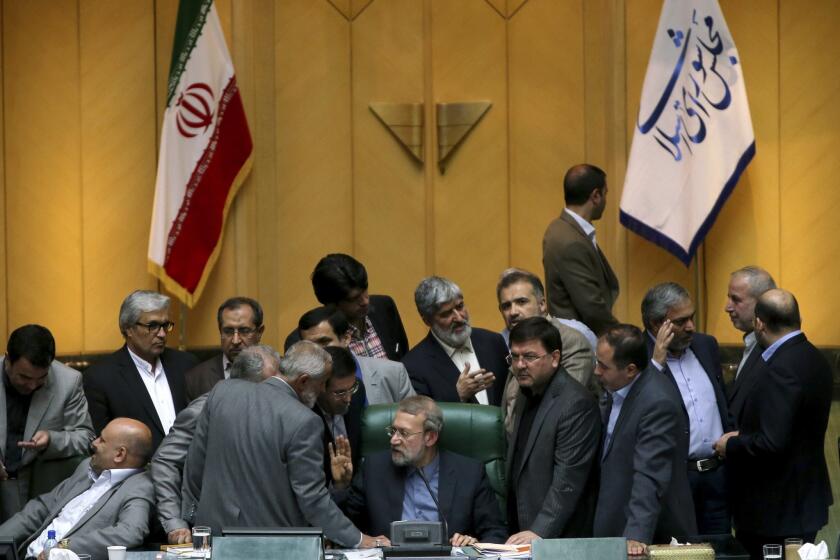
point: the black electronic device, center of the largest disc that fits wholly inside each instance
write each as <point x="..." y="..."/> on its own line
<point x="8" y="549"/>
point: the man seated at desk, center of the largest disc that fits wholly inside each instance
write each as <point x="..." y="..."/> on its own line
<point x="390" y="486"/>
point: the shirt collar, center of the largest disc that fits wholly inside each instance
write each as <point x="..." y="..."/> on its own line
<point x="622" y="393"/>
<point x="750" y="340"/>
<point x="450" y="351"/>
<point x="430" y="470"/>
<point x="356" y="334"/>
<point x="143" y="364"/>
<point x="768" y="353"/>
<point x="112" y="476"/>
<point x="587" y="228"/>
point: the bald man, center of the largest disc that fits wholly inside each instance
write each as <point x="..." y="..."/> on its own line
<point x="105" y="502"/>
<point x="776" y="460"/>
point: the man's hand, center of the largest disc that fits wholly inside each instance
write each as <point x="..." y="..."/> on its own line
<point x="720" y="445"/>
<point x="40" y="440"/>
<point x="179" y="536"/>
<point x="523" y="537"/>
<point x="635" y="548"/>
<point x="663" y="339"/>
<point x="462" y="540"/>
<point x="470" y="383"/>
<point x="43" y="555"/>
<point x="341" y="463"/>
<point x="3" y="474"/>
<point x="374" y="542"/>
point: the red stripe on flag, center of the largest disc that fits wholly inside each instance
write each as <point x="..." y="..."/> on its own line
<point x="198" y="226"/>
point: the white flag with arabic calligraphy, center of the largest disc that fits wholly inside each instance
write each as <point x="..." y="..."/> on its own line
<point x="693" y="136"/>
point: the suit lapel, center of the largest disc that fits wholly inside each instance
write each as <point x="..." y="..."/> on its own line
<point x="37" y="408"/>
<point x="746" y="377"/>
<point x="518" y="407"/>
<point x="626" y="408"/>
<point x="135" y="387"/>
<point x="3" y="426"/>
<point x="545" y="405"/>
<point x="442" y="362"/>
<point x="175" y="380"/>
<point x="395" y="478"/>
<point x="447" y="484"/>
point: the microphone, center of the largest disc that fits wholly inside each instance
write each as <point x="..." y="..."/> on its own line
<point x="445" y="535"/>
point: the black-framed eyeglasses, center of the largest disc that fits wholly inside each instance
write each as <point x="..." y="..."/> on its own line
<point x="243" y="332"/>
<point x="154" y="326"/>
<point x="529" y="358"/>
<point x="392" y="431"/>
<point x="351" y="391"/>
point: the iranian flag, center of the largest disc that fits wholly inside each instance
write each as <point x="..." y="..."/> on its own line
<point x="205" y="154"/>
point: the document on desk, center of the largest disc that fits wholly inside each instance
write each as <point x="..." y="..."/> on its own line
<point x="503" y="550"/>
<point x="361" y="553"/>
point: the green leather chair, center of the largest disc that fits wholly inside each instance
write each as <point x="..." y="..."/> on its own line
<point x="472" y="430"/>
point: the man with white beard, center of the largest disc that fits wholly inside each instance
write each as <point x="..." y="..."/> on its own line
<point x="455" y="362"/>
<point x="257" y="458"/>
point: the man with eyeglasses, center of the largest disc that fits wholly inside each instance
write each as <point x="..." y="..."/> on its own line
<point x="144" y="379"/>
<point x="552" y="450"/>
<point x="390" y="485"/>
<point x="692" y="364"/>
<point x="240" y="321"/>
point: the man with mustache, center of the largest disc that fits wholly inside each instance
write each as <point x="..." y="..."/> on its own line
<point x="455" y="362"/>
<point x="693" y="365"/>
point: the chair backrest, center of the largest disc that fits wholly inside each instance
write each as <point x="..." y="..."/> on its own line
<point x="472" y="430"/>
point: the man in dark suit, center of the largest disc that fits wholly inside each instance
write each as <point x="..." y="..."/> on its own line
<point x="377" y="330"/>
<point x="553" y="449"/>
<point x="692" y="364"/>
<point x="780" y="479"/>
<point x="265" y="442"/>
<point x="391" y="488"/>
<point x="745" y="287"/>
<point x="240" y="321"/>
<point x="581" y="285"/>
<point x="644" y="492"/>
<point x="144" y="379"/>
<point x="340" y="406"/>
<point x="455" y="362"/>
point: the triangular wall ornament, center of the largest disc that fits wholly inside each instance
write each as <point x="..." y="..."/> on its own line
<point x="343" y="7"/>
<point x="454" y="122"/>
<point x="358" y="6"/>
<point x="513" y="7"/>
<point x="405" y="122"/>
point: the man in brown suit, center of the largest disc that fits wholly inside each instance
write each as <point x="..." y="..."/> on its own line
<point x="240" y="322"/>
<point x="581" y="285"/>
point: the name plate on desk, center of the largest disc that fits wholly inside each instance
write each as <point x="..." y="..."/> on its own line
<point x="269" y="547"/>
<point x="602" y="549"/>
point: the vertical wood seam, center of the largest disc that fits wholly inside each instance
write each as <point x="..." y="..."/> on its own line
<point x="5" y="169"/>
<point x="430" y="136"/>
<point x="81" y="170"/>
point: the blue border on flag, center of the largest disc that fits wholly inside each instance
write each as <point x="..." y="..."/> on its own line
<point x="657" y="237"/>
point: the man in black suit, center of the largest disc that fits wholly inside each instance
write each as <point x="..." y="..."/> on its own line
<point x="455" y="362"/>
<point x="644" y="492"/>
<point x="745" y="286"/>
<point x="240" y="321"/>
<point x="553" y="448"/>
<point x="780" y="479"/>
<point x="376" y="327"/>
<point x="340" y="406"/>
<point x="144" y="379"/>
<point x="693" y="365"/>
<point x="390" y="486"/>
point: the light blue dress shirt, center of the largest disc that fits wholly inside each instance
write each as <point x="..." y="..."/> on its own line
<point x="617" y="400"/>
<point x="767" y="354"/>
<point x="418" y="504"/>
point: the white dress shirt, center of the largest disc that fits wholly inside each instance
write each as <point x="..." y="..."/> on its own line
<point x="158" y="387"/>
<point x="76" y="508"/>
<point x="587" y="228"/>
<point x="461" y="357"/>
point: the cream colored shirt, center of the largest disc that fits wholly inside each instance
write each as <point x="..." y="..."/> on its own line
<point x="461" y="357"/>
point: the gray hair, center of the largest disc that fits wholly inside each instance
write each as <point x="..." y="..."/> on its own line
<point x="659" y="299"/>
<point x="758" y="279"/>
<point x="249" y="364"/>
<point x="432" y="293"/>
<point x="305" y="357"/>
<point x="421" y="404"/>
<point x="139" y="302"/>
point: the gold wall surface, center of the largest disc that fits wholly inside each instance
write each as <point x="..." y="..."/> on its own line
<point x="83" y="94"/>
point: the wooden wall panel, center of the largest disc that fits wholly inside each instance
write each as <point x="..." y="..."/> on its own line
<point x="810" y="200"/>
<point x="43" y="190"/>
<point x="118" y="156"/>
<point x="389" y="188"/>
<point x="3" y="265"/>
<point x="471" y="217"/>
<point x="747" y="229"/>
<point x="546" y="88"/>
<point x="314" y="170"/>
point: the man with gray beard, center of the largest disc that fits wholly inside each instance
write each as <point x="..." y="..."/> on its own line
<point x="455" y="362"/>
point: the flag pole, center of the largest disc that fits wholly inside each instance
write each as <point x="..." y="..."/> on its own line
<point x="699" y="295"/>
<point x="182" y="327"/>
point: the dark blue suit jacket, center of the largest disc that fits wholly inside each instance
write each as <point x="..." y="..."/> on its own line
<point x="744" y="385"/>
<point x="465" y="496"/>
<point x="433" y="373"/>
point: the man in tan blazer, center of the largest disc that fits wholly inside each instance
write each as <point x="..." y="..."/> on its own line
<point x="581" y="285"/>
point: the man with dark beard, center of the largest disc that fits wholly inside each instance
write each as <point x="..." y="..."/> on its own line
<point x="455" y="362"/>
<point x="391" y="488"/>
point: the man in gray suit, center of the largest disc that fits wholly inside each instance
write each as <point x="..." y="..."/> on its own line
<point x="257" y="458"/>
<point x="45" y="414"/>
<point x="105" y="502"/>
<point x="554" y="444"/>
<point x="644" y="493"/>
<point x="385" y="381"/>
<point x="176" y="507"/>
<point x="581" y="285"/>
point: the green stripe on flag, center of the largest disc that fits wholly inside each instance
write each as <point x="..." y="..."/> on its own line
<point x="192" y="14"/>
